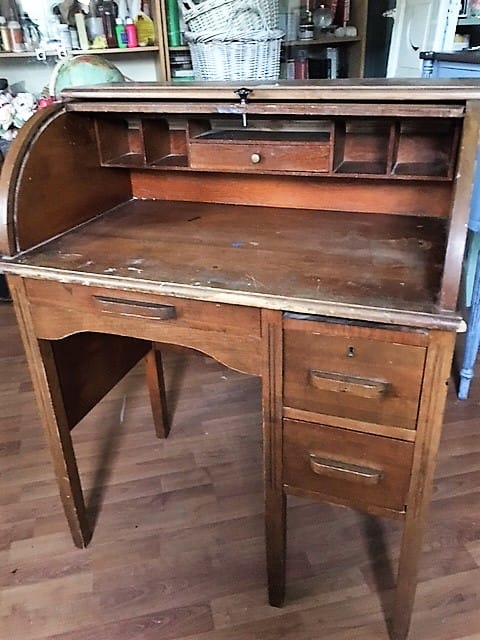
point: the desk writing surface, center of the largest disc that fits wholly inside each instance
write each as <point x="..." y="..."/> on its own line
<point x="213" y="249"/>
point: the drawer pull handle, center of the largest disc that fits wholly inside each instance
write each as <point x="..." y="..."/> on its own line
<point x="344" y="470"/>
<point x="255" y="158"/>
<point x="137" y="308"/>
<point x="357" y="386"/>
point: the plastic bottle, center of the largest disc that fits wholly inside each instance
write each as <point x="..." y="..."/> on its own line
<point x="145" y="30"/>
<point x="31" y="33"/>
<point x="74" y="38"/>
<point x="81" y="31"/>
<point x="121" y="34"/>
<point x="16" y="35"/>
<point x="109" y="23"/>
<point x="64" y="35"/>
<point x="131" y="31"/>
<point x="173" y="24"/>
<point x="5" y="35"/>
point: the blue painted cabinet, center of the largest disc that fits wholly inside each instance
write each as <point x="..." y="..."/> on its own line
<point x="465" y="64"/>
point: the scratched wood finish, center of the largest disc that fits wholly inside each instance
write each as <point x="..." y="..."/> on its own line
<point x="251" y="250"/>
<point x="178" y="549"/>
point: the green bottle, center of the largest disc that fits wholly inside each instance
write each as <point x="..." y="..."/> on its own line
<point x="173" y="24"/>
<point x="121" y="34"/>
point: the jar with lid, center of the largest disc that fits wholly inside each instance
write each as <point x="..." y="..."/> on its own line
<point x="16" y="35"/>
<point x="306" y="26"/>
<point x="322" y="18"/>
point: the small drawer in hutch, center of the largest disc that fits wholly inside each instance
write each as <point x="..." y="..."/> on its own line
<point x="358" y="373"/>
<point x="239" y="150"/>
<point x="351" y="467"/>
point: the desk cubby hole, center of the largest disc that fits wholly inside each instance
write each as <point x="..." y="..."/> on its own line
<point x="165" y="142"/>
<point x="425" y="148"/>
<point x="362" y="146"/>
<point x="120" y="141"/>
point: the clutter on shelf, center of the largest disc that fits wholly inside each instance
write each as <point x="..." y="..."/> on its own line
<point x="76" y="24"/>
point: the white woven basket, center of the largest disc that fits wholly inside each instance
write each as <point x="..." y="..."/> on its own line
<point x="215" y="15"/>
<point x="236" y="53"/>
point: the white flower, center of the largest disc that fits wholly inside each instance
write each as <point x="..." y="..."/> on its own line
<point x="7" y="114"/>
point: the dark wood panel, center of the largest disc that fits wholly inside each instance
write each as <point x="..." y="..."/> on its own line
<point x="89" y="365"/>
<point x="60" y="183"/>
<point x="343" y="194"/>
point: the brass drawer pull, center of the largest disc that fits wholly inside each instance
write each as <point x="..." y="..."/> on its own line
<point x="136" y="308"/>
<point x="344" y="470"/>
<point x="357" y="386"/>
<point x="255" y="158"/>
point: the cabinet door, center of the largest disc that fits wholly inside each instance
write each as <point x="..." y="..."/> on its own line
<point x="420" y="25"/>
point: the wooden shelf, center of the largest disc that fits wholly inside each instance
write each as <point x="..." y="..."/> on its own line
<point x="325" y="40"/>
<point x="468" y="22"/>
<point x="78" y="52"/>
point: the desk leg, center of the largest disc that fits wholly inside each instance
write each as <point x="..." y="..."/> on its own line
<point x="472" y="339"/>
<point x="429" y="428"/>
<point x="156" y="389"/>
<point x="48" y="395"/>
<point x="275" y="501"/>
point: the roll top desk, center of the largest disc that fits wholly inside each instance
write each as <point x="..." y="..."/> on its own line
<point x="310" y="234"/>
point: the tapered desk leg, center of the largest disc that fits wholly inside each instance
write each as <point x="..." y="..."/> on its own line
<point x="49" y="399"/>
<point x="472" y="338"/>
<point x="407" y="579"/>
<point x="275" y="534"/>
<point x="156" y="388"/>
<point x="429" y="428"/>
<point x="275" y="501"/>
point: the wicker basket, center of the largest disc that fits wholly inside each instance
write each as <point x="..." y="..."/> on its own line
<point x="236" y="53"/>
<point x="215" y="15"/>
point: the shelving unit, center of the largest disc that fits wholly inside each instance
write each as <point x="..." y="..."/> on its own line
<point x="161" y="57"/>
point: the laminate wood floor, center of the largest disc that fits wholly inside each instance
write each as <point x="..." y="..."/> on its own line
<point x="178" y="550"/>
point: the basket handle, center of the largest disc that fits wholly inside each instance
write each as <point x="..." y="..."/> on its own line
<point x="186" y="5"/>
<point x="241" y="8"/>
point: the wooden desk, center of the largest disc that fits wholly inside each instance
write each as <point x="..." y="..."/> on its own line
<point x="319" y="247"/>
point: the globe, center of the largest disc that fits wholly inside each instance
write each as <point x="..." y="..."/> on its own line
<point x="83" y="70"/>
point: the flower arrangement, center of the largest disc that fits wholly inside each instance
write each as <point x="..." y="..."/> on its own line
<point x="15" y="110"/>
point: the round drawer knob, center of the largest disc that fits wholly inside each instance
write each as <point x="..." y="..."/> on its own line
<point x="255" y="158"/>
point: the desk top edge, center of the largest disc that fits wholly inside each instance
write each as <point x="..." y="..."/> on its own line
<point x="390" y="89"/>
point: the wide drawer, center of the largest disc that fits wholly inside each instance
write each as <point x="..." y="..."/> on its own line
<point x="111" y="303"/>
<point x="352" y="372"/>
<point x="351" y="467"/>
<point x="261" y="155"/>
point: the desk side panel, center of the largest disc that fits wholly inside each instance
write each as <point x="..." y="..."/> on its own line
<point x="53" y="181"/>
<point x="89" y="365"/>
